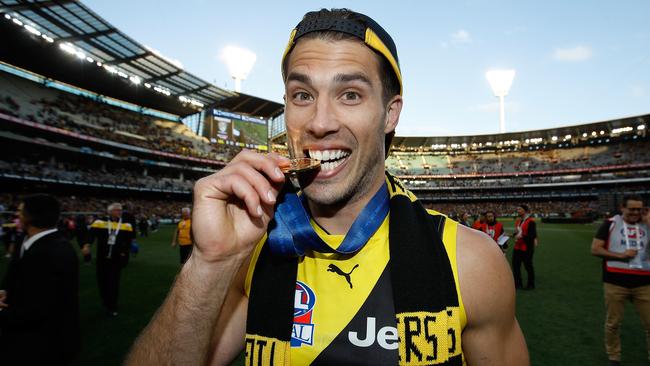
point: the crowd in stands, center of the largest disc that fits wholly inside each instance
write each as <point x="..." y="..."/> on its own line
<point x="509" y="209"/>
<point x="518" y="181"/>
<point x="96" y="206"/>
<point x="622" y="153"/>
<point x="77" y="173"/>
<point x="30" y="101"/>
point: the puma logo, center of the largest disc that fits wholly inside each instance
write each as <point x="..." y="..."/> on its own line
<point x="338" y="271"/>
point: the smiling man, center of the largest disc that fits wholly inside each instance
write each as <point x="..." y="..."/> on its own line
<point x="622" y="242"/>
<point x="351" y="269"/>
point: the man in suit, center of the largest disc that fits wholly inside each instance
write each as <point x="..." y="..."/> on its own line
<point x="39" y="297"/>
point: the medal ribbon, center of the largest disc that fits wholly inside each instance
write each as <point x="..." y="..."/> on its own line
<point x="291" y="233"/>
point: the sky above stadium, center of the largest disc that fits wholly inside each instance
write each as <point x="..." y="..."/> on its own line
<point x="576" y="61"/>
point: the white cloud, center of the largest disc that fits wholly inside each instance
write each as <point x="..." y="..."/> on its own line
<point x="461" y="36"/>
<point x="457" y="39"/>
<point x="578" y="53"/>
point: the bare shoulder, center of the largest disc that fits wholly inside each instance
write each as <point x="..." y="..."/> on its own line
<point x="485" y="278"/>
<point x="492" y="335"/>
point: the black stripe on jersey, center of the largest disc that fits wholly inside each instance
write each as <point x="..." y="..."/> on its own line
<point x="379" y="307"/>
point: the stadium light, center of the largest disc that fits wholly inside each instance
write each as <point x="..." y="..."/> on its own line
<point x="640" y="127"/>
<point x="500" y="82"/>
<point x="239" y="61"/>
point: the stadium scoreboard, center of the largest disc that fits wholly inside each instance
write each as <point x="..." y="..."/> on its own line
<point x="228" y="128"/>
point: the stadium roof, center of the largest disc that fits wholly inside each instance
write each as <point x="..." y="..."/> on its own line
<point x="71" y="27"/>
<point x="589" y="130"/>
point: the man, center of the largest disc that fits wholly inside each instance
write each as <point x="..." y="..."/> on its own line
<point x="113" y="245"/>
<point x="525" y="244"/>
<point x="493" y="228"/>
<point x="183" y="235"/>
<point x="386" y="291"/>
<point x="622" y="242"/>
<point x="39" y="297"/>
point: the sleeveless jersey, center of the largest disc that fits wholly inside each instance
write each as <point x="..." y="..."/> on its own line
<point x="343" y="306"/>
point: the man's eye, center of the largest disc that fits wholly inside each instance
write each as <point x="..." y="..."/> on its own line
<point x="350" y="96"/>
<point x="302" y="96"/>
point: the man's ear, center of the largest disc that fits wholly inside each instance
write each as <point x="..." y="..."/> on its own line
<point x="393" y="110"/>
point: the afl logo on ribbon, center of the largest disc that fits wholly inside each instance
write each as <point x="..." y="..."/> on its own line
<point x="303" y="328"/>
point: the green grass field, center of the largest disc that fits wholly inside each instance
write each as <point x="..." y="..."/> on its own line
<point x="562" y="319"/>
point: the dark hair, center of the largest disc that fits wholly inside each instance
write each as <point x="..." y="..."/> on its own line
<point x="525" y="207"/>
<point x="490" y="212"/>
<point x="43" y="210"/>
<point x="389" y="82"/>
<point x="631" y="197"/>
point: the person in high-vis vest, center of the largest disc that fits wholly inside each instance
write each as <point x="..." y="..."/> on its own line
<point x="183" y="235"/>
<point x="348" y="267"/>
<point x="525" y="244"/>
<point x="622" y="242"/>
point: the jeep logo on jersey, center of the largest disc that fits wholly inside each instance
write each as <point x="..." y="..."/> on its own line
<point x="303" y="307"/>
<point x="386" y="337"/>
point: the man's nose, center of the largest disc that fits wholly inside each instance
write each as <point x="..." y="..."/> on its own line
<point x="325" y="120"/>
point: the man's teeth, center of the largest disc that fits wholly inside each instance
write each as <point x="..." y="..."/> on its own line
<point x="329" y="159"/>
<point x="325" y="155"/>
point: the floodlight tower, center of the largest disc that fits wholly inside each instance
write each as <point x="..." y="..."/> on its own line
<point x="240" y="61"/>
<point x="500" y="82"/>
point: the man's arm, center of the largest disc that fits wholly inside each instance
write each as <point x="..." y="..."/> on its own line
<point x="92" y="234"/>
<point x="598" y="245"/>
<point x="232" y="209"/>
<point x="492" y="335"/>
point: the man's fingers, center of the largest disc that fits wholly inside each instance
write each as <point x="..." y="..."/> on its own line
<point x="236" y="185"/>
<point x="260" y="183"/>
<point x="268" y="164"/>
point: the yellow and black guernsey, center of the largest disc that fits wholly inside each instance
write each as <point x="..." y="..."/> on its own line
<point x="395" y="301"/>
<point x="100" y="230"/>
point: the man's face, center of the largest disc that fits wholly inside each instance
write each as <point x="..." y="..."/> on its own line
<point x="335" y="113"/>
<point x="116" y="213"/>
<point x="490" y="218"/>
<point x="521" y="212"/>
<point x="632" y="211"/>
<point x="185" y="214"/>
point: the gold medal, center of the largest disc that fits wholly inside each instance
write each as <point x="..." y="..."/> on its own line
<point x="300" y="165"/>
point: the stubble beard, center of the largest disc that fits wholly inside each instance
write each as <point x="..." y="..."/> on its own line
<point x="351" y="189"/>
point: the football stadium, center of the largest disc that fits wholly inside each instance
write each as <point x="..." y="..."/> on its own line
<point x="92" y="116"/>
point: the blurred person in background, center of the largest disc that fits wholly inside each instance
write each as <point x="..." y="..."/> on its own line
<point x="493" y="228"/>
<point x="525" y="244"/>
<point x="478" y="223"/>
<point x="113" y="237"/>
<point x="39" y="296"/>
<point x="13" y="234"/>
<point x="622" y="243"/>
<point x="183" y="235"/>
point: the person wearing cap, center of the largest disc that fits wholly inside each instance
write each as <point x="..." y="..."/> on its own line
<point x="113" y="244"/>
<point x="349" y="270"/>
